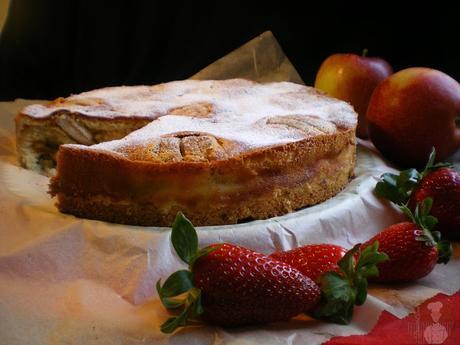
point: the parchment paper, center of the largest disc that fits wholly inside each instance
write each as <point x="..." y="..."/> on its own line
<point x="262" y="59"/>
<point x="65" y="280"/>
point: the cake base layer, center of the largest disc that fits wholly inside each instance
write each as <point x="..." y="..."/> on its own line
<point x="260" y="185"/>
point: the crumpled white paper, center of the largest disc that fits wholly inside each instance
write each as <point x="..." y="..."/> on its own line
<point x="70" y="280"/>
<point x="65" y="280"/>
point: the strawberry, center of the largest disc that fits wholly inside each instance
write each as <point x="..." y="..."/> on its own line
<point x="341" y="275"/>
<point x="436" y="181"/>
<point x="242" y="287"/>
<point x="228" y="285"/>
<point x="443" y="186"/>
<point x="313" y="260"/>
<point x="412" y="248"/>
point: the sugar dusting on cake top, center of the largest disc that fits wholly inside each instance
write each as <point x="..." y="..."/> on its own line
<point x="252" y="114"/>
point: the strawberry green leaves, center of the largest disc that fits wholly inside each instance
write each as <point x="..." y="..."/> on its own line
<point x="398" y="188"/>
<point x="185" y="241"/>
<point x="340" y="292"/>
<point x="337" y="299"/>
<point x="431" y="166"/>
<point x="176" y="284"/>
<point x="192" y="309"/>
<point x="184" y="238"/>
<point x="444" y="251"/>
<point x="421" y="216"/>
<point x="367" y="267"/>
<point x="426" y="222"/>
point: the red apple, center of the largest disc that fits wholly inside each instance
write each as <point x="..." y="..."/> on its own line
<point x="352" y="78"/>
<point x="412" y="111"/>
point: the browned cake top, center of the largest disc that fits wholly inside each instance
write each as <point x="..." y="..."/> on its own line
<point x="207" y="120"/>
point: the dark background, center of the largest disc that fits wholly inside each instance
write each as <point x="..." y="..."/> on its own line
<point x="54" y="48"/>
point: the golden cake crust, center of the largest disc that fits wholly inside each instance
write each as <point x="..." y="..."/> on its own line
<point x="219" y="151"/>
<point x="257" y="185"/>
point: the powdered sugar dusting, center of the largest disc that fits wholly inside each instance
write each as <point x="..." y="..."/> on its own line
<point x="238" y="110"/>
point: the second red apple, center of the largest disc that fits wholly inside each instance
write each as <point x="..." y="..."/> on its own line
<point x="352" y="78"/>
<point x="413" y="111"/>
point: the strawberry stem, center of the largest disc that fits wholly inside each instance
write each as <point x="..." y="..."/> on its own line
<point x="422" y="218"/>
<point x="431" y="166"/>
<point x="340" y="292"/>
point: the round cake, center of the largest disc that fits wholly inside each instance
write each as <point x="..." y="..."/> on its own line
<point x="221" y="152"/>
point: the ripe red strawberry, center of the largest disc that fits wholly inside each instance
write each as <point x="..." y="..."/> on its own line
<point x="443" y="186"/>
<point x="341" y="275"/>
<point x="230" y="285"/>
<point x="412" y="248"/>
<point x="313" y="260"/>
<point x="241" y="287"/>
<point x="436" y="181"/>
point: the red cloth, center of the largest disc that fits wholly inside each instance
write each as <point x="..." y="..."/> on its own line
<point x="435" y="321"/>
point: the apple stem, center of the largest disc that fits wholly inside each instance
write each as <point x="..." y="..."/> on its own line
<point x="364" y="53"/>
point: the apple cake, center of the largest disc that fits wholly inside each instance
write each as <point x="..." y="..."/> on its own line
<point x="219" y="151"/>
